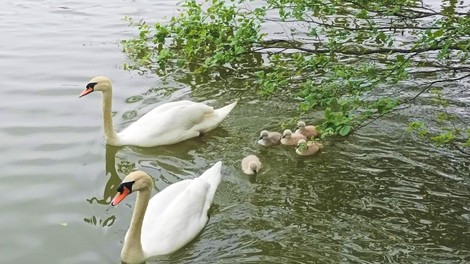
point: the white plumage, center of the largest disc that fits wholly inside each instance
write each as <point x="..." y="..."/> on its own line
<point x="171" y="218"/>
<point x="166" y="124"/>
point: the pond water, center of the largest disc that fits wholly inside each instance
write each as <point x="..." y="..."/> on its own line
<point x="378" y="196"/>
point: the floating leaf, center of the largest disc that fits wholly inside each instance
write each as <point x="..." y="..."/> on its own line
<point x="344" y="131"/>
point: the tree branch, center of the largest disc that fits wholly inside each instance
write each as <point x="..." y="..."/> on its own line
<point x="389" y="28"/>
<point x="366" y="51"/>
<point x="430" y="84"/>
<point x="460" y="149"/>
<point x="403" y="104"/>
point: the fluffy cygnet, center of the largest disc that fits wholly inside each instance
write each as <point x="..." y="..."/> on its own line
<point x="305" y="148"/>
<point x="307" y="131"/>
<point x="267" y="138"/>
<point x="251" y="165"/>
<point x="291" y="139"/>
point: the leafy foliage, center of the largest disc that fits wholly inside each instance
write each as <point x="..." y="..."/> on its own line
<point x="344" y="58"/>
<point x="198" y="39"/>
<point x="302" y="146"/>
<point x="449" y="130"/>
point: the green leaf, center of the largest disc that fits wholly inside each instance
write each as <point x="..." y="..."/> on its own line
<point x="344" y="131"/>
<point x="381" y="37"/>
<point x="438" y="32"/>
<point x="400" y="58"/>
<point x="467" y="143"/>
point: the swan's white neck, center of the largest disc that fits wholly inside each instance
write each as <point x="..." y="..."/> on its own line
<point x="132" y="250"/>
<point x="109" y="132"/>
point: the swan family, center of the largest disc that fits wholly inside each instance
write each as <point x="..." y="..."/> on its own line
<point x="169" y="220"/>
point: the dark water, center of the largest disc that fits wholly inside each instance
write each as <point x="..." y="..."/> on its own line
<point x="379" y="196"/>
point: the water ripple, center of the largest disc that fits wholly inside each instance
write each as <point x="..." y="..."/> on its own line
<point x="378" y="196"/>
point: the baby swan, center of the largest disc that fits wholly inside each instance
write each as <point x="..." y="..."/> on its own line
<point x="291" y="139"/>
<point x="305" y="148"/>
<point x="267" y="138"/>
<point x="251" y="165"/>
<point x="307" y="131"/>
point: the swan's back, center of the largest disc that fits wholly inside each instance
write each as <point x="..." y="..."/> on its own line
<point x="213" y="120"/>
<point x="176" y="215"/>
<point x="166" y="124"/>
<point x="173" y="122"/>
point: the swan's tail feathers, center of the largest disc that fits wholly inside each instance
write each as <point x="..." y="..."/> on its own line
<point x="213" y="120"/>
<point x="224" y="111"/>
<point x="213" y="177"/>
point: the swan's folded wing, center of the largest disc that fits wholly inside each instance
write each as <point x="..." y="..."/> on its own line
<point x="161" y="200"/>
<point x="190" y="115"/>
<point x="171" y="105"/>
<point x="179" y="222"/>
<point x="166" y="124"/>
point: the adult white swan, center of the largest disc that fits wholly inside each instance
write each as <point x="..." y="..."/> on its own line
<point x="171" y="219"/>
<point x="166" y="124"/>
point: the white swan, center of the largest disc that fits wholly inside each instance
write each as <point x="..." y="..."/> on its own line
<point x="166" y="124"/>
<point x="171" y="219"/>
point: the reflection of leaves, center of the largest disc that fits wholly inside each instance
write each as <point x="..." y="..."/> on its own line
<point x="129" y="115"/>
<point x="94" y="221"/>
<point x="161" y="91"/>
<point x="134" y="99"/>
<point x="125" y="167"/>
<point x="109" y="221"/>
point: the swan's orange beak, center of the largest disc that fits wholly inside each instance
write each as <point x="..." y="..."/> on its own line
<point x="87" y="91"/>
<point x="120" y="196"/>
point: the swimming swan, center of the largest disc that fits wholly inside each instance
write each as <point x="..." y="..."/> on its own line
<point x="166" y="124"/>
<point x="171" y="219"/>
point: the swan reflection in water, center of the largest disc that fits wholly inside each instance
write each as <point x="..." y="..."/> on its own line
<point x="110" y="187"/>
<point x="166" y="165"/>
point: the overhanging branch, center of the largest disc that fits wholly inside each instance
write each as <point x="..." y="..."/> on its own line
<point x="364" y="50"/>
<point x="405" y="104"/>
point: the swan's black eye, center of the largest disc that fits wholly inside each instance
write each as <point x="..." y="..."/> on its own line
<point x="128" y="185"/>
<point x="91" y="85"/>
